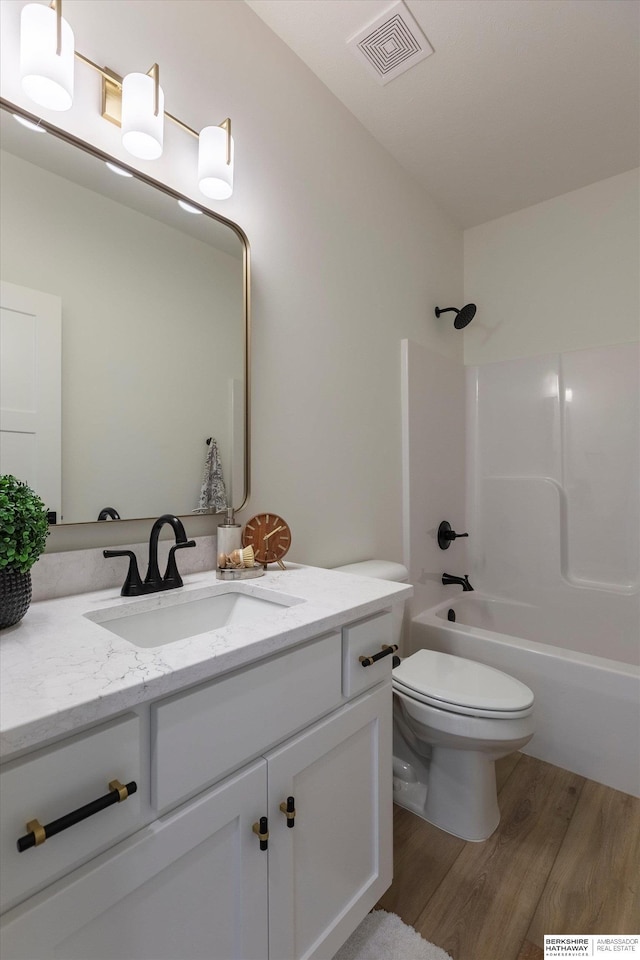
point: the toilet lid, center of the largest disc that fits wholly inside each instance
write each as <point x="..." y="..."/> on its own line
<point x="460" y="685"/>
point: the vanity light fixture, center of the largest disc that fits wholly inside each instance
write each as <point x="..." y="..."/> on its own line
<point x="46" y="56"/>
<point x="135" y="103"/>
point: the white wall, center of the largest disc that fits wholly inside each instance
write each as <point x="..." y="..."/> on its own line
<point x="558" y="276"/>
<point x="348" y="256"/>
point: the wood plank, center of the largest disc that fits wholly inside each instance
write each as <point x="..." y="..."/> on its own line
<point x="529" y="951"/>
<point x="483" y="908"/>
<point x="505" y="767"/>
<point x="422" y="857"/>
<point x="594" y="886"/>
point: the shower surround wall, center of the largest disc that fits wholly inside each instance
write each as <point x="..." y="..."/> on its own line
<point x="553" y="490"/>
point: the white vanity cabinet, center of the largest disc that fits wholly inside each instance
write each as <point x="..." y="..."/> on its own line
<point x="189" y="885"/>
<point x="332" y="867"/>
<point x="193" y="882"/>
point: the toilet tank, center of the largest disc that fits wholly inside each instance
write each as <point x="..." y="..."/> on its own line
<point x="383" y="570"/>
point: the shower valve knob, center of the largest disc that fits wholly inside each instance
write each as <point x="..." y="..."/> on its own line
<point x="446" y="535"/>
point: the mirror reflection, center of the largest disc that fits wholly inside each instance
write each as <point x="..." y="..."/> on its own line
<point x="151" y="330"/>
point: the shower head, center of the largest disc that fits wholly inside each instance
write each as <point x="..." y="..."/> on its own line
<point x="463" y="316"/>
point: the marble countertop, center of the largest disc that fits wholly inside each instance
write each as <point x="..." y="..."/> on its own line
<point x="60" y="670"/>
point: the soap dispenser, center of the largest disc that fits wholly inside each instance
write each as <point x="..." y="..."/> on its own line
<point x="229" y="534"/>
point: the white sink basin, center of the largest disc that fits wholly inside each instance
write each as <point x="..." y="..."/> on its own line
<point x="188" y="617"/>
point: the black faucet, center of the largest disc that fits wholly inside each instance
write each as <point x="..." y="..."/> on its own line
<point x="109" y="513"/>
<point x="153" y="582"/>
<point x="463" y="581"/>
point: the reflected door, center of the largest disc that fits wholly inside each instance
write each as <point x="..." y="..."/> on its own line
<point x="30" y="390"/>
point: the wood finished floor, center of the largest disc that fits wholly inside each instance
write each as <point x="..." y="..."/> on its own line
<point x="564" y="859"/>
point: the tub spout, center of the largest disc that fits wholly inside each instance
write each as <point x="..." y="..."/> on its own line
<point x="463" y="581"/>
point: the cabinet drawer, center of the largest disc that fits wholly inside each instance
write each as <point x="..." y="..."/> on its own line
<point x="364" y="639"/>
<point x="56" y="781"/>
<point x="200" y="736"/>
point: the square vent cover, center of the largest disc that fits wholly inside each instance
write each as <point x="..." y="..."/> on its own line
<point x="391" y="45"/>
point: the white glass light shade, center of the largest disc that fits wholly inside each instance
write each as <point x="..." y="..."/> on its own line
<point x="215" y="175"/>
<point x="46" y="76"/>
<point x="142" y="131"/>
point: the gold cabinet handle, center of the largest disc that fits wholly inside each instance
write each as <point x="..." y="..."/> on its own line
<point x="288" y="807"/>
<point x="262" y="830"/>
<point x="37" y="833"/>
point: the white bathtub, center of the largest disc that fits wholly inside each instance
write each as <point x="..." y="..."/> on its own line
<point x="587" y="707"/>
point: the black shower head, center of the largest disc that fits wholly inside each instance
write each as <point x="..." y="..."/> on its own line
<point x="463" y="316"/>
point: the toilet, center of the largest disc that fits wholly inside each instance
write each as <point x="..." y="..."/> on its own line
<point x="452" y="719"/>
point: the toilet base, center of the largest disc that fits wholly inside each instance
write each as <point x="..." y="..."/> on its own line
<point x="460" y="798"/>
<point x="410" y="795"/>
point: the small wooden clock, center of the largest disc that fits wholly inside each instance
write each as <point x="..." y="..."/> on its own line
<point x="270" y="537"/>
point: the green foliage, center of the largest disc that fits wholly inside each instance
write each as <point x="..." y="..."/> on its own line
<point x="24" y="527"/>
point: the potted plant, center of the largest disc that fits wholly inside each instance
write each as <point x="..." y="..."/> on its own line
<point x="24" y="528"/>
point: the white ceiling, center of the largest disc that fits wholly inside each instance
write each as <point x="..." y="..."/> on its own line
<point x="523" y="100"/>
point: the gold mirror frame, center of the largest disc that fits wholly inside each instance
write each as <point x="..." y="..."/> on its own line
<point x="93" y="151"/>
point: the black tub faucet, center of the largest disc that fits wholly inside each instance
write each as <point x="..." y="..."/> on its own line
<point x="463" y="581"/>
<point x="153" y="582"/>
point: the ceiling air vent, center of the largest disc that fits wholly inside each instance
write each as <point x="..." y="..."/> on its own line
<point x="391" y="45"/>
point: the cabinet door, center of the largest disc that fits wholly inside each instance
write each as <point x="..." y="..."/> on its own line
<point x="192" y="885"/>
<point x="329" y="870"/>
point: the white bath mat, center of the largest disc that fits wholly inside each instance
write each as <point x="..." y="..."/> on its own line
<point x="384" y="936"/>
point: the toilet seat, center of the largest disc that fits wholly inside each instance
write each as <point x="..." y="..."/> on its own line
<point x="462" y="686"/>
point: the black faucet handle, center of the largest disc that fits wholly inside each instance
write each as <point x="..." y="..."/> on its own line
<point x="172" y="576"/>
<point x="132" y="586"/>
<point x="446" y="535"/>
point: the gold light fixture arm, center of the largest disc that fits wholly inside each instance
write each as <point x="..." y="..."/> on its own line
<point x="107" y="74"/>
<point x="154" y="73"/>
<point x="183" y="126"/>
<point x="57" y="6"/>
<point x="226" y="125"/>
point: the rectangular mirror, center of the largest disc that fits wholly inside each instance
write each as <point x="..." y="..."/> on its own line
<point x="153" y="318"/>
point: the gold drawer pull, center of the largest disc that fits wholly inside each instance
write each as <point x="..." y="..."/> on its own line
<point x="37" y="833"/>
<point x="123" y="792"/>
